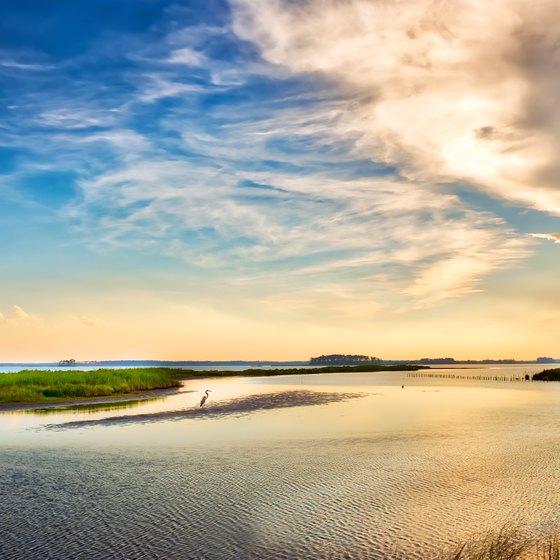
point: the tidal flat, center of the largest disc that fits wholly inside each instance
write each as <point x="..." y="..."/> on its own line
<point x="342" y="465"/>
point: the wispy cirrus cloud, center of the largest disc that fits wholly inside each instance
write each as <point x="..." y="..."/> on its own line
<point x="158" y="86"/>
<point x="14" y="64"/>
<point x="75" y="119"/>
<point x="314" y="226"/>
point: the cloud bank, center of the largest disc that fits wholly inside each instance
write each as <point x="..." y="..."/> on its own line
<point x="445" y="91"/>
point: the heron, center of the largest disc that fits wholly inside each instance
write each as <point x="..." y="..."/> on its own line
<point x="203" y="399"/>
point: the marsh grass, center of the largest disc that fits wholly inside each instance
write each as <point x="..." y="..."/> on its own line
<point x="34" y="386"/>
<point x="548" y="548"/>
<point x="508" y="544"/>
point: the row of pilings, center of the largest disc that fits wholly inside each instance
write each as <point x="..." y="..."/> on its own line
<point x="522" y="378"/>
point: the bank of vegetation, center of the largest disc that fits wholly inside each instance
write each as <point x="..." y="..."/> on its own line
<point x="35" y="386"/>
<point x="548" y="375"/>
<point x="263" y="372"/>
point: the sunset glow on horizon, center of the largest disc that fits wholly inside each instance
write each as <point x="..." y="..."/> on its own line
<point x="275" y="180"/>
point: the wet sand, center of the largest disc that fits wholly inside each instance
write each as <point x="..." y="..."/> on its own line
<point x="238" y="406"/>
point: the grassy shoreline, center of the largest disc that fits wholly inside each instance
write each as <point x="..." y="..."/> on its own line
<point x="30" y="387"/>
<point x="547" y="375"/>
<point x="36" y="386"/>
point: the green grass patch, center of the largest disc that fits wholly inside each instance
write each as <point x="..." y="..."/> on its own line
<point x="34" y="386"/>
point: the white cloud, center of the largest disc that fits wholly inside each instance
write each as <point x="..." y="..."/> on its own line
<point x="19" y="313"/>
<point x="20" y="318"/>
<point x="550" y="236"/>
<point x="186" y="56"/>
<point x="93" y="322"/>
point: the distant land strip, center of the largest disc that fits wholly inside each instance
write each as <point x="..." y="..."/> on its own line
<point x="320" y="361"/>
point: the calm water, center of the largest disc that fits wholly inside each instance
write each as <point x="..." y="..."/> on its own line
<point x="369" y="471"/>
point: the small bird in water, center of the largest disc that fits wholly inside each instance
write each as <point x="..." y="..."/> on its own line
<point x="203" y="400"/>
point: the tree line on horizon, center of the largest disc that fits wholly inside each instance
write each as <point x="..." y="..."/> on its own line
<point x="343" y="359"/>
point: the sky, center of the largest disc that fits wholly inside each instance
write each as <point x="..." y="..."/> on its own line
<point x="279" y="179"/>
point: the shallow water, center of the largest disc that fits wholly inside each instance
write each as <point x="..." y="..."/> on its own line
<point x="368" y="471"/>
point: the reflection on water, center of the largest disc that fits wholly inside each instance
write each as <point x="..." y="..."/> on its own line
<point x="397" y="473"/>
<point x="89" y="407"/>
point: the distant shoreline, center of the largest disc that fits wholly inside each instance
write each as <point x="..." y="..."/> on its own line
<point x="271" y="364"/>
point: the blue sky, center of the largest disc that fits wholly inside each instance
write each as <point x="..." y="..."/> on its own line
<point x="293" y="177"/>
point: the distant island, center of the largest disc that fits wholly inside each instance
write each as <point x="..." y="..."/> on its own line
<point x="70" y="362"/>
<point x="343" y="359"/>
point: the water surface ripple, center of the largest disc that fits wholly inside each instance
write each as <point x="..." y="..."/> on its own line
<point x="401" y="475"/>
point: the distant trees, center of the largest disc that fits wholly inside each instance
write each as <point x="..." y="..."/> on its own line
<point x="437" y="361"/>
<point x="546" y="360"/>
<point x="342" y="359"/>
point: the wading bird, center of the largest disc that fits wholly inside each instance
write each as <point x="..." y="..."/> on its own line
<point x="203" y="399"/>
